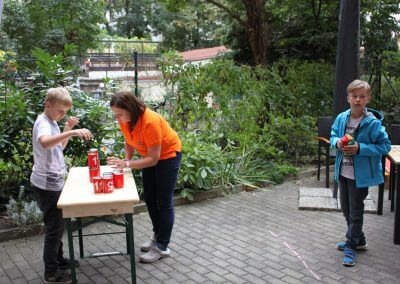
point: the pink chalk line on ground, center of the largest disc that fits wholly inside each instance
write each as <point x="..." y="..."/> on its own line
<point x="298" y="256"/>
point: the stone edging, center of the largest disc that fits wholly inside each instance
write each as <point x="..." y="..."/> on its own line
<point x="15" y="232"/>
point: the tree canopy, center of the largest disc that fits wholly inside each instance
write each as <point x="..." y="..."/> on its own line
<point x="52" y="24"/>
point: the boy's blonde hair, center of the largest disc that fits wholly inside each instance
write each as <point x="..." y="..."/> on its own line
<point x="59" y="95"/>
<point x="358" y="84"/>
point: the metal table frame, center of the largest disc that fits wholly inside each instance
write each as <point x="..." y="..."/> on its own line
<point x="130" y="245"/>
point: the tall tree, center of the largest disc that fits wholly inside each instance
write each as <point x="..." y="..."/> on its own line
<point x="250" y="14"/>
<point x="53" y="23"/>
<point x="305" y="29"/>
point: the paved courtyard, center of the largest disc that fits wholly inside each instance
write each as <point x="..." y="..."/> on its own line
<point x="250" y="237"/>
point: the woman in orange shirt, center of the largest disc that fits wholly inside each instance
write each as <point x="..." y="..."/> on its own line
<point x="158" y="144"/>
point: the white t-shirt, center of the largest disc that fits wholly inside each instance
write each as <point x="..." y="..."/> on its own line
<point x="48" y="164"/>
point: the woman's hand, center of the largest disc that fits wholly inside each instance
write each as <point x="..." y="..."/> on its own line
<point x="117" y="163"/>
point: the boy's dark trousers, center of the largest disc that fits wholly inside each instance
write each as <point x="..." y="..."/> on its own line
<point x="159" y="183"/>
<point x="352" y="203"/>
<point x="54" y="224"/>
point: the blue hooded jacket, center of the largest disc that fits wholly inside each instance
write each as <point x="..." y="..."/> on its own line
<point x="373" y="142"/>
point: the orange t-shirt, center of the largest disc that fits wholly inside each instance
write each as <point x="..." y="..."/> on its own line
<point x="150" y="130"/>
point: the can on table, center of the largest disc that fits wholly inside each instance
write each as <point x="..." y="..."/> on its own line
<point x="98" y="184"/>
<point x="108" y="184"/>
<point x="93" y="172"/>
<point x="118" y="178"/>
<point x="93" y="158"/>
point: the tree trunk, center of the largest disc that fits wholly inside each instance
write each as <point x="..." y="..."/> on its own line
<point x="255" y="24"/>
<point x="257" y="30"/>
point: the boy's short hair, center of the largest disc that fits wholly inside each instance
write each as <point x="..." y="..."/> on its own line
<point x="59" y="95"/>
<point x="358" y="84"/>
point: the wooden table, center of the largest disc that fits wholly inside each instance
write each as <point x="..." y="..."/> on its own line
<point x="394" y="156"/>
<point x="79" y="200"/>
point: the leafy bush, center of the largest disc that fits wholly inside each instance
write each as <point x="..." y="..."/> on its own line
<point x="245" y="104"/>
<point x="23" y="213"/>
<point x="25" y="101"/>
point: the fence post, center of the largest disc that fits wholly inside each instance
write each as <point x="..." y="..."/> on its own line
<point x="135" y="62"/>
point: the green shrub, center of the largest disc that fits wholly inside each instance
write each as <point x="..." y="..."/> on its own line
<point x="23" y="213"/>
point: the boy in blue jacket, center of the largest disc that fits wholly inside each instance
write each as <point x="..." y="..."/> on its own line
<point x="357" y="166"/>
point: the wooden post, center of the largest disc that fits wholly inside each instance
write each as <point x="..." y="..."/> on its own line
<point x="348" y="49"/>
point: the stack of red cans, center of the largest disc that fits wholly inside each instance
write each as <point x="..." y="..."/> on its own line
<point x="93" y="163"/>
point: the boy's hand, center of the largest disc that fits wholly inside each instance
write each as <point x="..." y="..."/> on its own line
<point x="339" y="144"/>
<point x="351" y="149"/>
<point x="71" y="122"/>
<point x="83" y="133"/>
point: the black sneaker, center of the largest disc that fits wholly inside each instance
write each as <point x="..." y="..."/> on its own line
<point x="57" y="277"/>
<point x="65" y="263"/>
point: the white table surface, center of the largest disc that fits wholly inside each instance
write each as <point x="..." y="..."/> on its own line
<point x="79" y="200"/>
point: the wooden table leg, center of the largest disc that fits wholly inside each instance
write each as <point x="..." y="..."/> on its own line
<point x="71" y="249"/>
<point x="396" y="196"/>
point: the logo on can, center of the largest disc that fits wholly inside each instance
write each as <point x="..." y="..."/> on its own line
<point x="93" y="158"/>
<point x="97" y="184"/>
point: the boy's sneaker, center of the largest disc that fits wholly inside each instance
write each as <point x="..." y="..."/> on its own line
<point x="154" y="254"/>
<point x="57" y="277"/>
<point x="148" y="245"/>
<point x="65" y="263"/>
<point x="342" y="245"/>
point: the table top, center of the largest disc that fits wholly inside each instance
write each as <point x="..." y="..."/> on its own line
<point x="79" y="200"/>
<point x="394" y="154"/>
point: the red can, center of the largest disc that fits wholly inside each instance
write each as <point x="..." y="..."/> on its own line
<point x="118" y="178"/>
<point x="93" y="158"/>
<point x="98" y="184"/>
<point x="93" y="172"/>
<point x="108" y="184"/>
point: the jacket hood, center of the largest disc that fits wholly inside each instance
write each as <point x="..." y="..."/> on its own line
<point x="375" y="114"/>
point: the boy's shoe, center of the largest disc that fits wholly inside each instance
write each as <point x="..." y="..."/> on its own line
<point x="147" y="245"/>
<point x="349" y="258"/>
<point x="342" y="245"/>
<point x="65" y="263"/>
<point x="58" y="277"/>
<point x="154" y="254"/>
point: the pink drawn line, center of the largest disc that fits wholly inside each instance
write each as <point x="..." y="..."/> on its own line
<point x="298" y="256"/>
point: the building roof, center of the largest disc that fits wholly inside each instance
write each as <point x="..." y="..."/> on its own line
<point x="203" y="53"/>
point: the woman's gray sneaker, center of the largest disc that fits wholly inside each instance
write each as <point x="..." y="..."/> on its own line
<point x="147" y="245"/>
<point x="154" y="254"/>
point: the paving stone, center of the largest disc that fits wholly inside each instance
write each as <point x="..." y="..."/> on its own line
<point x="5" y="280"/>
<point x="315" y="192"/>
<point x="317" y="203"/>
<point x="257" y="237"/>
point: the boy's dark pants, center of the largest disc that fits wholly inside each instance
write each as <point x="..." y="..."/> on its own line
<point x="54" y="224"/>
<point x="159" y="183"/>
<point x="352" y="202"/>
